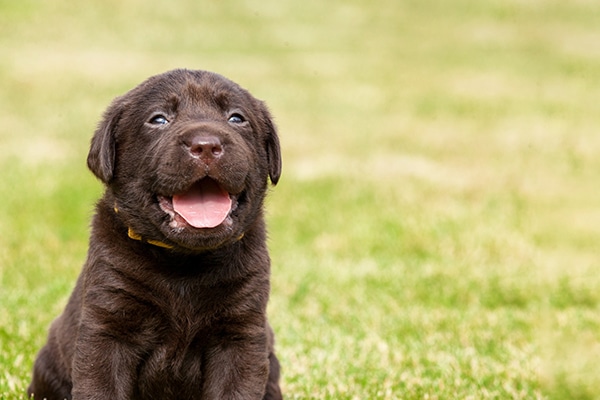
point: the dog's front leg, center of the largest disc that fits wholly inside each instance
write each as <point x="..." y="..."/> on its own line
<point x="102" y="369"/>
<point x="237" y="370"/>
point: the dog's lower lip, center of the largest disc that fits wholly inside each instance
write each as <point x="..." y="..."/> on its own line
<point x="166" y="204"/>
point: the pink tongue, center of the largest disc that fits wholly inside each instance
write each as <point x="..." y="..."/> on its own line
<point x="204" y="205"/>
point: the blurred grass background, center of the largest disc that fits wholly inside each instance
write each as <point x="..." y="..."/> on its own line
<point x="436" y="230"/>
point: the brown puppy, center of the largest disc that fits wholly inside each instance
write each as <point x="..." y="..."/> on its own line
<point x="171" y="302"/>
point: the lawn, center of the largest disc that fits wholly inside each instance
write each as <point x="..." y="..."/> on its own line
<point x="436" y="230"/>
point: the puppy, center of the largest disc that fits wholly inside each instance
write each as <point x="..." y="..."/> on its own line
<point x="171" y="302"/>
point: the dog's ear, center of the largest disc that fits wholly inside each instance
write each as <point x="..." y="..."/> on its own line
<point x="101" y="158"/>
<point x="273" y="149"/>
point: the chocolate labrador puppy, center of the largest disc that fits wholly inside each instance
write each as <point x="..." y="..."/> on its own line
<point x="171" y="302"/>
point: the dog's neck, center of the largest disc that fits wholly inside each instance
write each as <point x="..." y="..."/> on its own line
<point x="136" y="236"/>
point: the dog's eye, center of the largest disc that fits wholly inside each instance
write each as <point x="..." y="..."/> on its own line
<point x="236" y="118"/>
<point x="159" y="119"/>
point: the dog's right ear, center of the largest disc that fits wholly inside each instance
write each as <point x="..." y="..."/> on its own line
<point x="101" y="158"/>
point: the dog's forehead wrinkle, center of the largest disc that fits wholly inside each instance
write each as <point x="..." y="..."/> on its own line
<point x="215" y="92"/>
<point x="173" y="102"/>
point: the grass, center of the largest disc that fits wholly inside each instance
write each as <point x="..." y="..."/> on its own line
<point x="435" y="232"/>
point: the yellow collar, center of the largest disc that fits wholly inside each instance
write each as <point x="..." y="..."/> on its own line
<point x="135" y="236"/>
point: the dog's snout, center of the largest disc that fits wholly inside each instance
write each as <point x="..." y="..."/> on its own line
<point x="206" y="147"/>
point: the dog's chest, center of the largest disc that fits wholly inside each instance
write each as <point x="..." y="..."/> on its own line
<point x="173" y="365"/>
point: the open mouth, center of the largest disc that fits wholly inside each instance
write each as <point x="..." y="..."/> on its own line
<point x="205" y="204"/>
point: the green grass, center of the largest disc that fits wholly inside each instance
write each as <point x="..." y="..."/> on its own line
<point x="436" y="230"/>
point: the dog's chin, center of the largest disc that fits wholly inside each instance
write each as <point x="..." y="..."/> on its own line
<point x="179" y="231"/>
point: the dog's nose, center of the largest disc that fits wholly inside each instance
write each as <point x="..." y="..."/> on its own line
<point x="206" y="147"/>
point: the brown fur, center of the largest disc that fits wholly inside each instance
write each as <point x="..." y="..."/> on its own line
<point x="187" y="321"/>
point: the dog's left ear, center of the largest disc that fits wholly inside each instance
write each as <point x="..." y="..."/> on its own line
<point x="273" y="149"/>
<point x="101" y="158"/>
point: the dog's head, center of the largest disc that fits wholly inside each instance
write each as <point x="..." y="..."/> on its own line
<point x="187" y="155"/>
